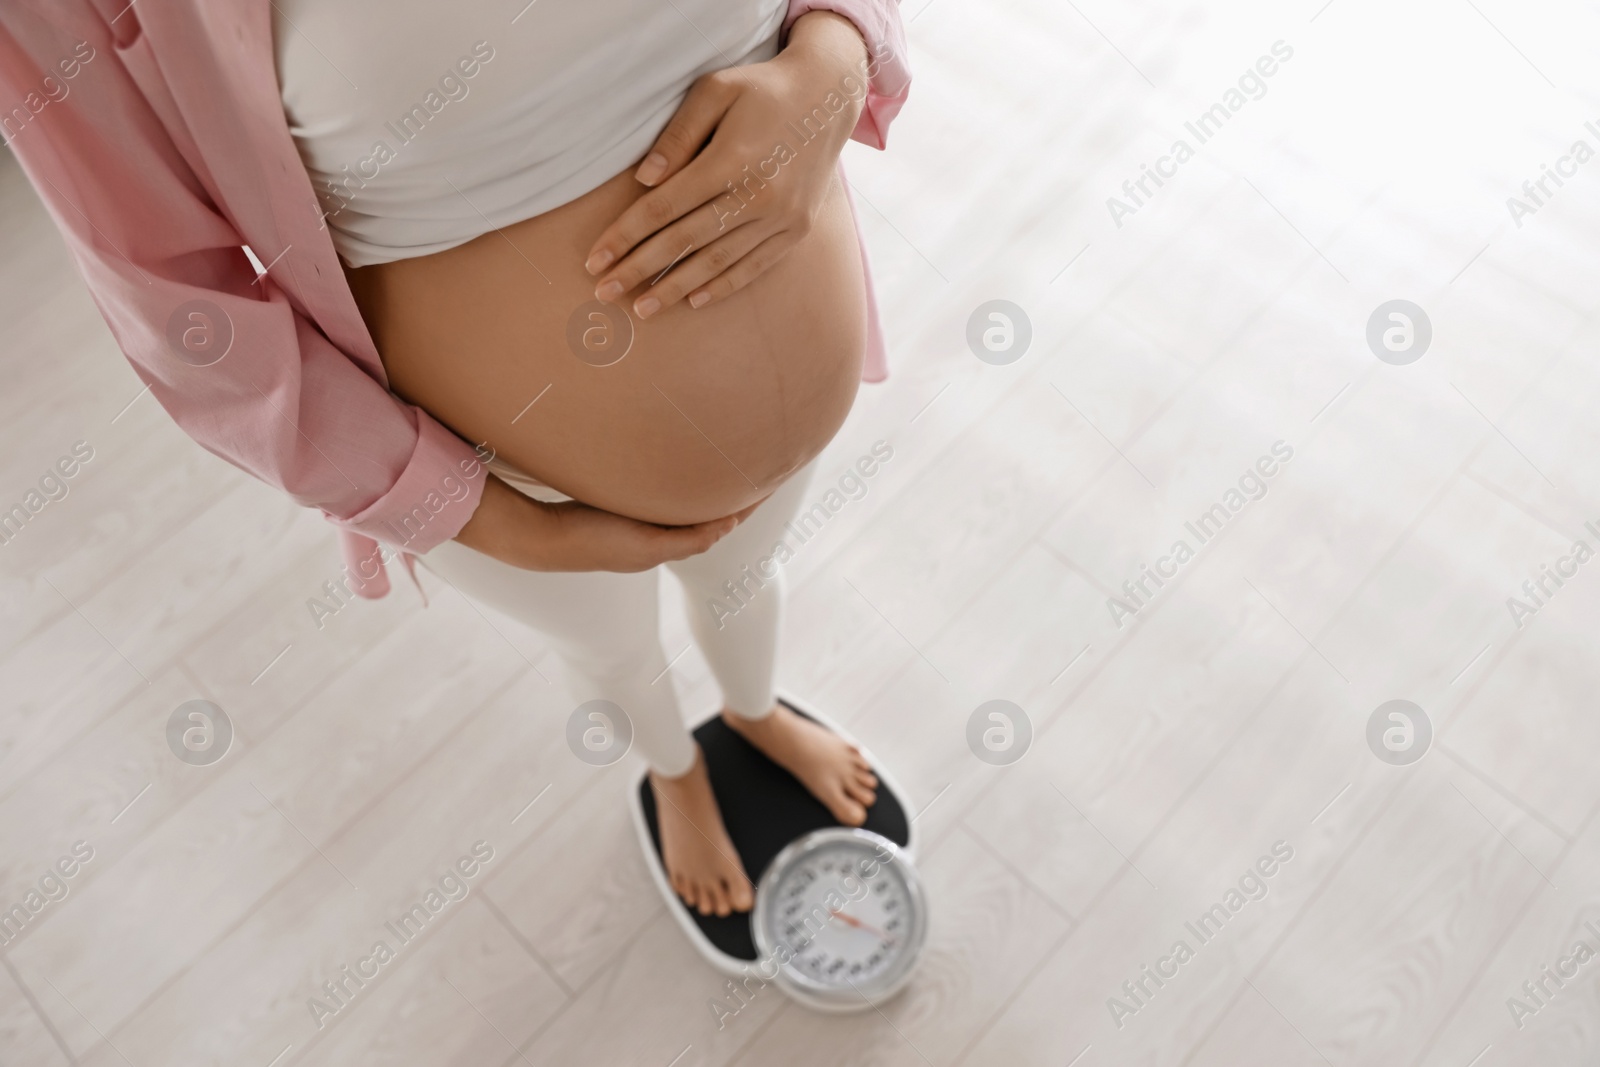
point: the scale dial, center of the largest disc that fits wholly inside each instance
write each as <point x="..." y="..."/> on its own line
<point x="841" y="915"/>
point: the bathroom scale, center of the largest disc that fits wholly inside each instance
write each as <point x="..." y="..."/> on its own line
<point x="840" y="916"/>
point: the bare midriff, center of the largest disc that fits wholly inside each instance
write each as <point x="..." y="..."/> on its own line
<point x="709" y="410"/>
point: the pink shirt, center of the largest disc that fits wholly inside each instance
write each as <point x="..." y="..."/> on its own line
<point x="155" y="135"/>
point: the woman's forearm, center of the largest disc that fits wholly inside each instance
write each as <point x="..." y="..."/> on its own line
<point x="824" y="35"/>
<point x="508" y="526"/>
<point x="570" y="536"/>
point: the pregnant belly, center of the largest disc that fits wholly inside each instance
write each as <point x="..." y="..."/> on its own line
<point x="707" y="411"/>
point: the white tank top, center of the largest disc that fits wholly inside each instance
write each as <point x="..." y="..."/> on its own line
<point x="424" y="124"/>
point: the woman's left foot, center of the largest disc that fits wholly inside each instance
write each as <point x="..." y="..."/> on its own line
<point x="828" y="765"/>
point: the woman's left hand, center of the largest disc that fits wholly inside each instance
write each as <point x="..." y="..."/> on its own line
<point x="721" y="214"/>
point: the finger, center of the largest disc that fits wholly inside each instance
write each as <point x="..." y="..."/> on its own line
<point x="709" y="533"/>
<point x="658" y="209"/>
<point x="681" y="542"/>
<point x="748" y="268"/>
<point x="696" y="119"/>
<point x="665" y="251"/>
<point x="699" y="270"/>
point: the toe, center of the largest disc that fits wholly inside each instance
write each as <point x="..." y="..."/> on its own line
<point x="849" y="812"/>
<point x="719" y="900"/>
<point x="861" y="793"/>
<point x="742" y="896"/>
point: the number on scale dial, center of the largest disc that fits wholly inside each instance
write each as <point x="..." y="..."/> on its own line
<point x="850" y="942"/>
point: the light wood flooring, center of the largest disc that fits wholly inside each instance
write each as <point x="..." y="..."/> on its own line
<point x="1227" y="313"/>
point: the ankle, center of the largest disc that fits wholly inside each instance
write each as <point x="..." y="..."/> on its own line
<point x="741" y="723"/>
<point x="681" y="781"/>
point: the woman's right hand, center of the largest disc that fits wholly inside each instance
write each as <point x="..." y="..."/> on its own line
<point x="570" y="536"/>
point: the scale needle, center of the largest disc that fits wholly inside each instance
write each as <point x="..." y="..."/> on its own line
<point x="859" y="925"/>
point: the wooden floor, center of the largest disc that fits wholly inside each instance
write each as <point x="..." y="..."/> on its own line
<point x="1227" y="311"/>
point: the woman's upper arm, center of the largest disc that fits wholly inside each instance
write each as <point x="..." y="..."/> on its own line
<point x="236" y="366"/>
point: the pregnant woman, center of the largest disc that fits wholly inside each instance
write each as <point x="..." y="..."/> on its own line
<point x="552" y="297"/>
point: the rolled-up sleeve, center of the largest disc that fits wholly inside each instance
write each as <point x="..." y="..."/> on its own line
<point x="888" y="66"/>
<point x="226" y="354"/>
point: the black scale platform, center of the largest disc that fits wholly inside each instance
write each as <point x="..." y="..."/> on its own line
<point x="764" y="808"/>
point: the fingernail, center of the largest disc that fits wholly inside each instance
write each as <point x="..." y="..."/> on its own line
<point x="609" y="291"/>
<point x="646" y="306"/>
<point x="699" y="299"/>
<point x="651" y="170"/>
<point x="599" y="261"/>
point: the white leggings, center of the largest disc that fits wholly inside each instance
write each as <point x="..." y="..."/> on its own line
<point x="606" y="625"/>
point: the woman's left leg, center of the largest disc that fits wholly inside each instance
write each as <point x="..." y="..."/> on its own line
<point x="735" y="595"/>
<point x="606" y="626"/>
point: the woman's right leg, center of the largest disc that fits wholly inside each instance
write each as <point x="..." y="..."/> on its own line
<point x="607" y="627"/>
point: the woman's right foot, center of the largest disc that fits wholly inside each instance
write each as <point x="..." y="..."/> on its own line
<point x="701" y="862"/>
